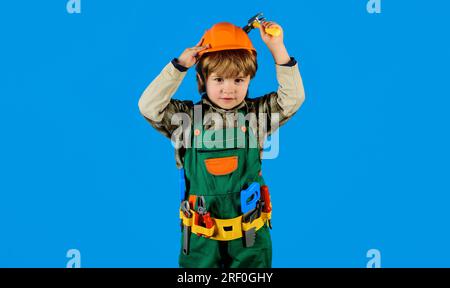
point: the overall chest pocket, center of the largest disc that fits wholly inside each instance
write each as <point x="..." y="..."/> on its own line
<point x="222" y="170"/>
<point x="221" y="166"/>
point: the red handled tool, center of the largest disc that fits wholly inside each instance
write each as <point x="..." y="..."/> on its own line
<point x="265" y="196"/>
<point x="204" y="217"/>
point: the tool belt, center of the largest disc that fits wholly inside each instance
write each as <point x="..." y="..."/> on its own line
<point x="224" y="229"/>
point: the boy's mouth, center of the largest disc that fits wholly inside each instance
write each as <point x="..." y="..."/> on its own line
<point x="227" y="98"/>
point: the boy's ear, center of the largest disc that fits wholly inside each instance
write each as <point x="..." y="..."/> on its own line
<point x="199" y="78"/>
<point x="200" y="85"/>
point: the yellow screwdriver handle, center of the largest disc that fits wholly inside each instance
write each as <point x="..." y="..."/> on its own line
<point x="275" y="31"/>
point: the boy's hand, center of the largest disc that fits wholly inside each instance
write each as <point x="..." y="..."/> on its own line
<point x="275" y="43"/>
<point x="189" y="56"/>
<point x="272" y="42"/>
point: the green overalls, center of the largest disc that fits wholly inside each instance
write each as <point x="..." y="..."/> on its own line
<point x="221" y="192"/>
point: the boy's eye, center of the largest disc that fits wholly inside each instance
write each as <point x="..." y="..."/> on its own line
<point x="221" y="79"/>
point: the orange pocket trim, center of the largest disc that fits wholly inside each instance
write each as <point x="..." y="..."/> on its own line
<point x="221" y="166"/>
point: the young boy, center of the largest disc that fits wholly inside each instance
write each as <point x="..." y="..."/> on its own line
<point x="225" y="208"/>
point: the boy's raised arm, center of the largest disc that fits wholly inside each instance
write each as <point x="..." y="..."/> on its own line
<point x="290" y="94"/>
<point x="156" y="103"/>
<point x="157" y="95"/>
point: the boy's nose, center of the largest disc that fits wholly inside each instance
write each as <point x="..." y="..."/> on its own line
<point x="227" y="92"/>
<point x="228" y="88"/>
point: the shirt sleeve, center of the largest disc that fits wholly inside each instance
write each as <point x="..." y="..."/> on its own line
<point x="288" y="98"/>
<point x="177" y="65"/>
<point x="156" y="103"/>
<point x="291" y="62"/>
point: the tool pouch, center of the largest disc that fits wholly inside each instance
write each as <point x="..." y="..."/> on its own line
<point x="199" y="229"/>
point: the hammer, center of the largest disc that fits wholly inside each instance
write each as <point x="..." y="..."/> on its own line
<point x="256" y="21"/>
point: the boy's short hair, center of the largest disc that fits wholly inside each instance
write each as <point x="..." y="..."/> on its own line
<point x="227" y="64"/>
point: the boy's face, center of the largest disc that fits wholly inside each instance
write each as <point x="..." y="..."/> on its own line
<point x="227" y="93"/>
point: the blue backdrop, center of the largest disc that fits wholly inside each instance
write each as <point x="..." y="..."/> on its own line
<point x="363" y="165"/>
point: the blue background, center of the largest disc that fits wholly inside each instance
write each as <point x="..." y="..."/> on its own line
<point x="364" y="164"/>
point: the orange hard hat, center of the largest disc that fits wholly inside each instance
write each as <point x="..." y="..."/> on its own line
<point x="225" y="36"/>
